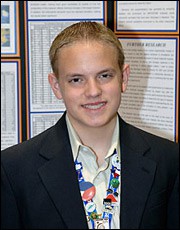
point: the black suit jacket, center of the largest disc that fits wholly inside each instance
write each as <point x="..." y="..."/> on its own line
<point x="40" y="190"/>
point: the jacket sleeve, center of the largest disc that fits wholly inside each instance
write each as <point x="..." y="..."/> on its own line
<point x="173" y="207"/>
<point x="9" y="211"/>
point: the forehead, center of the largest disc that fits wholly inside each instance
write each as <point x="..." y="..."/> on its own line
<point x="86" y="58"/>
<point x="87" y="46"/>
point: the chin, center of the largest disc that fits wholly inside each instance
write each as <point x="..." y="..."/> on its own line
<point x="97" y="124"/>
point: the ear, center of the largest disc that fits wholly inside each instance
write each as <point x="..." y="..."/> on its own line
<point x="54" y="83"/>
<point x="125" y="77"/>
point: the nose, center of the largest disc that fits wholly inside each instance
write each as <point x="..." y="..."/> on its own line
<point x="93" y="88"/>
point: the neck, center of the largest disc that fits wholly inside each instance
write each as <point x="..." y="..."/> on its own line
<point x="98" y="139"/>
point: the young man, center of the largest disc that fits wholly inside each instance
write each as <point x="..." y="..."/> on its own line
<point x="92" y="169"/>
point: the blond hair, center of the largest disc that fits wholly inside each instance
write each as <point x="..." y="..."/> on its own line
<point x="85" y="30"/>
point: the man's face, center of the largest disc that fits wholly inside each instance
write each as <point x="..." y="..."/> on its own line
<point x="89" y="82"/>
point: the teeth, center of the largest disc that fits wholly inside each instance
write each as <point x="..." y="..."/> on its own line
<point x="94" y="106"/>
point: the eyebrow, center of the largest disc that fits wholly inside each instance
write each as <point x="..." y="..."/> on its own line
<point x="107" y="70"/>
<point x="81" y="75"/>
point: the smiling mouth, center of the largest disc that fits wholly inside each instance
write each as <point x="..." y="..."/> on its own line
<point x="94" y="106"/>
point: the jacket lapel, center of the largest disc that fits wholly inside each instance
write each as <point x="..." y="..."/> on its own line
<point x="59" y="177"/>
<point x="136" y="178"/>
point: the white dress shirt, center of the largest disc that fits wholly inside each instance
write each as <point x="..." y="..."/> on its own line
<point x="99" y="176"/>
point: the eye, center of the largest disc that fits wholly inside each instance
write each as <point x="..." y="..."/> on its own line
<point x="76" y="80"/>
<point x="105" y="76"/>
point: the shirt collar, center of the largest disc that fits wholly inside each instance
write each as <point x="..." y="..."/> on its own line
<point x="76" y="142"/>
